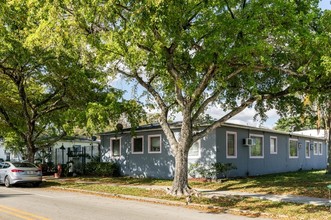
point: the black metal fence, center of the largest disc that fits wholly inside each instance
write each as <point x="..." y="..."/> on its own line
<point x="74" y="158"/>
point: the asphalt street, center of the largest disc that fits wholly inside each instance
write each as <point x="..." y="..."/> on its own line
<point x="42" y="203"/>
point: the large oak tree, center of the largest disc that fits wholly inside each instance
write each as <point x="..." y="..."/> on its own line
<point x="38" y="82"/>
<point x="47" y="83"/>
<point x="190" y="55"/>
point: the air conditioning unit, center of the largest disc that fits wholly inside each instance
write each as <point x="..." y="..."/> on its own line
<point x="248" y="141"/>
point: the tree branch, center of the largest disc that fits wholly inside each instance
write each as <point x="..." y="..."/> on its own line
<point x="225" y="118"/>
<point x="174" y="73"/>
<point x="214" y="96"/>
<point x="285" y="70"/>
<point x="52" y="108"/>
<point x="148" y="49"/>
<point x="203" y="85"/>
<point x="147" y="86"/>
<point x="9" y="122"/>
<point x="239" y="109"/>
<point x="228" y="6"/>
<point x="164" y="108"/>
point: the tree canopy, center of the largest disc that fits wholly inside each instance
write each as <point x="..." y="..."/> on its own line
<point x="190" y="54"/>
<point x="46" y="87"/>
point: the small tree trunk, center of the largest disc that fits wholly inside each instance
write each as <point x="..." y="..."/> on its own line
<point x="31" y="150"/>
<point x="30" y="155"/>
<point x="329" y="147"/>
<point x="180" y="183"/>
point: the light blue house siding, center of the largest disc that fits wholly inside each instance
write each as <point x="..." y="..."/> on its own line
<point x="213" y="148"/>
<point x="270" y="162"/>
<point x="142" y="164"/>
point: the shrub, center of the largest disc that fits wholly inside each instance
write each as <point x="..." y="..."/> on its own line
<point x="212" y="171"/>
<point x="222" y="169"/>
<point x="109" y="169"/>
<point x="197" y="170"/>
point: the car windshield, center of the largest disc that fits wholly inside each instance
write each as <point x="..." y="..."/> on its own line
<point x="24" y="165"/>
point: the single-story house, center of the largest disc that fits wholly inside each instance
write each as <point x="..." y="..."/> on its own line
<point x="76" y="151"/>
<point x="254" y="151"/>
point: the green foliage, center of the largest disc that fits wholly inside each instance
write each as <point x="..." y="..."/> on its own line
<point x="216" y="170"/>
<point x="296" y="123"/>
<point x="222" y="169"/>
<point x="102" y="114"/>
<point x="169" y="46"/>
<point x="104" y="169"/>
<point x="192" y="55"/>
<point x="50" y="81"/>
<point x="37" y="84"/>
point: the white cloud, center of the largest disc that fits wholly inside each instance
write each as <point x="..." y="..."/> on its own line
<point x="246" y="117"/>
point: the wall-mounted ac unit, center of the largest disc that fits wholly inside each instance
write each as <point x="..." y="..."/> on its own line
<point x="248" y="141"/>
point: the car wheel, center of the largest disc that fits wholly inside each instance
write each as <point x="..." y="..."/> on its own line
<point x="36" y="184"/>
<point x="7" y="182"/>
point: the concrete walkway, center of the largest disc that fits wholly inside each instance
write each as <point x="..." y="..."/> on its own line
<point x="272" y="197"/>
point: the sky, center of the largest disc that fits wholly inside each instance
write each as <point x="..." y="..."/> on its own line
<point x="325" y="4"/>
<point x="246" y="116"/>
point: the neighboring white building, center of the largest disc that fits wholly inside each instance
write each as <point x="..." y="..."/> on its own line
<point x="6" y="155"/>
<point x="2" y="150"/>
<point x="75" y="146"/>
<point x="314" y="133"/>
<point x="72" y="148"/>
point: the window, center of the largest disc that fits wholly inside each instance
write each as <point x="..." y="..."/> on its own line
<point x="307" y="149"/>
<point x="256" y="149"/>
<point x="194" y="151"/>
<point x="137" y="145"/>
<point x="273" y="145"/>
<point x="154" y="144"/>
<point x="5" y="165"/>
<point x="320" y="148"/>
<point x="293" y="148"/>
<point x="115" y="147"/>
<point x="315" y="148"/>
<point x="231" y="144"/>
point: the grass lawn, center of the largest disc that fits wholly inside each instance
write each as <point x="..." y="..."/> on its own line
<point x="306" y="183"/>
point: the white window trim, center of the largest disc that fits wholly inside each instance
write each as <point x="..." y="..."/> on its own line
<point x="111" y="146"/>
<point x="315" y="148"/>
<point x="320" y="148"/>
<point x="199" y="155"/>
<point x="132" y="145"/>
<point x="235" y="145"/>
<point x="276" y="145"/>
<point x="250" y="147"/>
<point x="149" y="144"/>
<point x="307" y="142"/>
<point x="289" y="148"/>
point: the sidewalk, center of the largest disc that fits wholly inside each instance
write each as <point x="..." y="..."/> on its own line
<point x="272" y="197"/>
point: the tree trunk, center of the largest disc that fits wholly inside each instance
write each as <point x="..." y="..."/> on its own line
<point x="30" y="156"/>
<point x="329" y="145"/>
<point x="31" y="150"/>
<point x="180" y="183"/>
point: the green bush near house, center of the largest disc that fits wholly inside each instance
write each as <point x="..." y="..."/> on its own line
<point x="222" y="169"/>
<point x="213" y="171"/>
<point x="104" y="169"/>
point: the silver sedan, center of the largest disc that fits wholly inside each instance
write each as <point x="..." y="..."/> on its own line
<point x="19" y="172"/>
